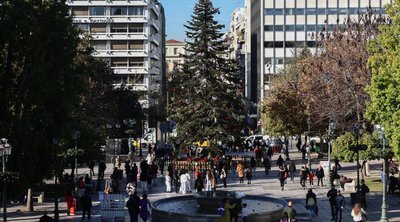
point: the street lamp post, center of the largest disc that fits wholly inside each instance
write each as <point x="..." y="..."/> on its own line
<point x="5" y="152"/>
<point x="384" y="218"/>
<point x="331" y="128"/>
<point x="308" y="146"/>
<point x="75" y="136"/>
<point x="56" y="140"/>
<point x="357" y="128"/>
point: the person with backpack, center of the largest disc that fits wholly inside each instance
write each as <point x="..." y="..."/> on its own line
<point x="364" y="189"/>
<point x="311" y="202"/>
<point x="290" y="212"/>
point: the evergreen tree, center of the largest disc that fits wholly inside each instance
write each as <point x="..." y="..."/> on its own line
<point x="207" y="101"/>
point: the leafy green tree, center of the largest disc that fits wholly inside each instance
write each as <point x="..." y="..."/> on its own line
<point x="207" y="100"/>
<point x="384" y="90"/>
<point x="38" y="46"/>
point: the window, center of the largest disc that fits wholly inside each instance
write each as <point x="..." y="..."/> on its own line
<point x="136" y="62"/>
<point x="119" y="45"/>
<point x="136" y="45"/>
<point x="97" y="10"/>
<point x="268" y="44"/>
<point x="299" y="28"/>
<point x="278" y="27"/>
<point x="310" y="44"/>
<point x="290" y="28"/>
<point x="120" y="28"/>
<point x="278" y="44"/>
<point x="135" y="10"/>
<point x="136" y="28"/>
<point x="332" y="11"/>
<point x="353" y="11"/>
<point x="321" y="28"/>
<point x="99" y="45"/>
<point x="279" y="61"/>
<point x="268" y="28"/>
<point x="310" y="11"/>
<point x="299" y="11"/>
<point x="83" y="26"/>
<point x="310" y="28"/>
<point x="119" y="62"/>
<point x="289" y="44"/>
<point x="343" y="11"/>
<point x="98" y="28"/>
<point x="268" y="11"/>
<point x="118" y="10"/>
<point x="80" y="11"/>
<point x="289" y="11"/>
<point x="278" y="11"/>
<point x="175" y="51"/>
<point x="320" y="11"/>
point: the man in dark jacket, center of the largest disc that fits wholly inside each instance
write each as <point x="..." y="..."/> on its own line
<point x="133" y="205"/>
<point x="332" y="201"/>
<point x="86" y="203"/>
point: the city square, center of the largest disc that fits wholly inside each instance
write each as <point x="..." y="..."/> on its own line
<point x="200" y="110"/>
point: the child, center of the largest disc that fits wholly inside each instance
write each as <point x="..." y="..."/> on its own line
<point x="168" y="182"/>
<point x="248" y="175"/>
<point x="245" y="212"/>
<point x="311" y="178"/>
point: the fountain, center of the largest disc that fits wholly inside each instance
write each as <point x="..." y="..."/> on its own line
<point x="203" y="206"/>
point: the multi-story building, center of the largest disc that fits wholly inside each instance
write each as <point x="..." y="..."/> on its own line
<point x="130" y="35"/>
<point x="278" y="27"/>
<point x="174" y="54"/>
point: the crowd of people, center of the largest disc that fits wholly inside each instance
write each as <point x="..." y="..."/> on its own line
<point x="129" y="176"/>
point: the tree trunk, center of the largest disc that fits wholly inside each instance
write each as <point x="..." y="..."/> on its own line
<point x="29" y="204"/>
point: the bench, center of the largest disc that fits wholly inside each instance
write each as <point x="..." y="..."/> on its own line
<point x="38" y="197"/>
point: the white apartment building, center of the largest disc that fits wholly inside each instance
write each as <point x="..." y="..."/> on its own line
<point x="278" y="27"/>
<point x="130" y="35"/>
<point x="175" y="51"/>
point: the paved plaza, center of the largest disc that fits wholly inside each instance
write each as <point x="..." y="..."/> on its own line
<point x="261" y="185"/>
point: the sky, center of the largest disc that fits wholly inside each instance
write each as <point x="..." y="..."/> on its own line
<point x="178" y="12"/>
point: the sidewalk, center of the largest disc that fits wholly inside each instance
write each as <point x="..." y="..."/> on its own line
<point x="262" y="185"/>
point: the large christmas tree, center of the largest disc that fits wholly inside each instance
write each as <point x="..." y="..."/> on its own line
<point x="206" y="91"/>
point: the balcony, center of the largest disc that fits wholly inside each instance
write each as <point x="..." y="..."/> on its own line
<point x="109" y="19"/>
<point x="130" y="70"/>
<point x="155" y="23"/>
<point x="155" y="8"/>
<point x="119" y="36"/>
<point x="154" y="53"/>
<point x="106" y="2"/>
<point x="133" y="87"/>
<point x="120" y="53"/>
<point x="155" y="38"/>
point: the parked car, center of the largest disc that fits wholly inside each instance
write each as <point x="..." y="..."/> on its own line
<point x="276" y="144"/>
<point x="253" y="138"/>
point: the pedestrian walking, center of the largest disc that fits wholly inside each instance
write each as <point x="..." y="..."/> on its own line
<point x="340" y="202"/>
<point x="167" y="182"/>
<point x="311" y="202"/>
<point x="144" y="208"/>
<point x="86" y="203"/>
<point x="235" y="210"/>
<point x="91" y="167"/>
<point x="184" y="180"/>
<point x="227" y="215"/>
<point x="290" y="212"/>
<point x="303" y="152"/>
<point x="101" y="169"/>
<point x="223" y="176"/>
<point x="282" y="175"/>
<point x="311" y="178"/>
<point x="292" y="170"/>
<point x="118" y="161"/>
<point x="133" y="206"/>
<point x="267" y="165"/>
<point x="177" y="182"/>
<point x="69" y="199"/>
<point x="358" y="213"/>
<point x="240" y="171"/>
<point x="303" y="177"/>
<point x="253" y="165"/>
<point x="332" y="193"/>
<point x="209" y="179"/>
<point x="320" y="175"/>
<point x="279" y="161"/>
<point x="249" y="175"/>
<point x="198" y="184"/>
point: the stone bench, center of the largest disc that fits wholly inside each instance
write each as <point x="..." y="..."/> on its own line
<point x="350" y="187"/>
<point x="38" y="197"/>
